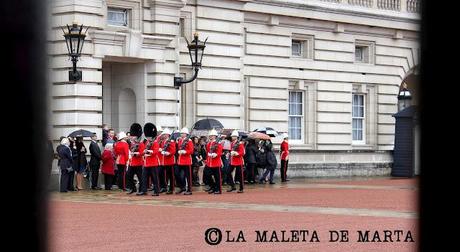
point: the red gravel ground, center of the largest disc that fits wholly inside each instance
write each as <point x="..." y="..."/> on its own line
<point x="97" y="221"/>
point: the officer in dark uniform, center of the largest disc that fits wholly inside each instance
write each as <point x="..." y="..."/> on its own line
<point x="94" y="162"/>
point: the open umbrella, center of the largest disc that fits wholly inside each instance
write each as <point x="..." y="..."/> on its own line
<point x="267" y="130"/>
<point x="242" y="134"/>
<point x="199" y="133"/>
<point x="207" y="124"/>
<point x="81" y="133"/>
<point x="258" y="135"/>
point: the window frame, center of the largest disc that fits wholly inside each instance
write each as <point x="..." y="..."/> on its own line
<point x="302" y="117"/>
<point x="363" y="118"/>
<point x="368" y="52"/>
<point x="126" y="13"/>
<point x="301" y="48"/>
<point x="306" y="46"/>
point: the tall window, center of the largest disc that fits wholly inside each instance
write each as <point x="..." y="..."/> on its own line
<point x="358" y="119"/>
<point x="118" y="17"/>
<point x="296" y="113"/>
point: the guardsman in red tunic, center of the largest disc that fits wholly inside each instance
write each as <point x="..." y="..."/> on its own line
<point x="284" y="152"/>
<point x="214" y="162"/>
<point x="161" y="170"/>
<point x="168" y="151"/>
<point x="121" y="150"/>
<point x="151" y="161"/>
<point x="236" y="162"/>
<point x="184" y="161"/>
<point x="137" y="158"/>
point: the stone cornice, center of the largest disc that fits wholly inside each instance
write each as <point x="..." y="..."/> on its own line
<point x="133" y="43"/>
<point x="169" y="3"/>
<point x="339" y="9"/>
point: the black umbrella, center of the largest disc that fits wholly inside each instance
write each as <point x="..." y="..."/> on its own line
<point x="267" y="130"/>
<point x="81" y="133"/>
<point x="207" y="124"/>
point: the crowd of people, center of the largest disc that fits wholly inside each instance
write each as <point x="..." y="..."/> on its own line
<point x="153" y="160"/>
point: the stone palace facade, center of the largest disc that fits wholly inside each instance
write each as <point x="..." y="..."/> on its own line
<point x="326" y="71"/>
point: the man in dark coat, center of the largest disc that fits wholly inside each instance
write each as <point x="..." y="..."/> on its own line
<point x="95" y="161"/>
<point x="250" y="160"/>
<point x="65" y="164"/>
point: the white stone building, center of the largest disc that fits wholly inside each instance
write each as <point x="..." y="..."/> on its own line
<point x="328" y="72"/>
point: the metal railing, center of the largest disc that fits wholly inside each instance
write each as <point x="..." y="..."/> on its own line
<point x="365" y="3"/>
<point x="389" y="5"/>
<point x="411" y="6"/>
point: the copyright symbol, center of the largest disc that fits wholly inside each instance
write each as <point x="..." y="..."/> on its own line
<point x="213" y="236"/>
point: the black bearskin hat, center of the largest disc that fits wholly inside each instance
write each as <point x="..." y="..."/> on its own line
<point x="150" y="130"/>
<point x="135" y="130"/>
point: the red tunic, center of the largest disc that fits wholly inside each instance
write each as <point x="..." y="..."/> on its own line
<point x="237" y="160"/>
<point x="170" y="159"/>
<point x="152" y="159"/>
<point x="217" y="161"/>
<point x="185" y="159"/>
<point x="108" y="163"/>
<point x="138" y="159"/>
<point x="121" y="152"/>
<point x="284" y="150"/>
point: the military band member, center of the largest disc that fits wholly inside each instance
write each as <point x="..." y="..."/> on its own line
<point x="168" y="151"/>
<point x="161" y="170"/>
<point x="214" y="162"/>
<point x="136" y="161"/>
<point x="184" y="161"/>
<point x="284" y="153"/>
<point x="236" y="162"/>
<point x="121" y="150"/>
<point x="152" y="161"/>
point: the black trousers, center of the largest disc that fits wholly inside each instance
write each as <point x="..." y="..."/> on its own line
<point x="250" y="172"/>
<point x="169" y="169"/>
<point x="70" y="185"/>
<point x="284" y="167"/>
<point x="238" y="175"/>
<point x="64" y="183"/>
<point x="121" y="179"/>
<point x="179" y="175"/>
<point x="134" y="170"/>
<point x="94" y="175"/>
<point x="207" y="176"/>
<point x="187" y="178"/>
<point x="150" y="173"/>
<point x="108" y="180"/>
<point x="267" y="171"/>
<point x="216" y="184"/>
<point x="162" y="177"/>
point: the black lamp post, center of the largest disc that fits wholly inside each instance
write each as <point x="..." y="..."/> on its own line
<point x="196" y="51"/>
<point x="74" y="39"/>
<point x="404" y="98"/>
